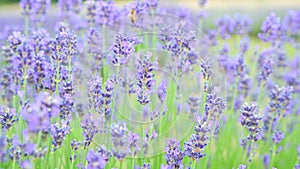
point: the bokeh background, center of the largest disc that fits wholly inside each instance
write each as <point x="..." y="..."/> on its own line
<point x="257" y="10"/>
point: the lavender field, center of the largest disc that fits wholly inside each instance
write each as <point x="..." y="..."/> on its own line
<point x="150" y="84"/>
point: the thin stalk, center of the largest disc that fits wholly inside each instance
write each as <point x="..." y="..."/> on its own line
<point x="273" y="155"/>
<point x="13" y="164"/>
<point x="113" y="105"/>
<point x="133" y="161"/>
<point x="204" y="97"/>
<point x="85" y="161"/>
<point x="57" y="77"/>
<point x="61" y="158"/>
<point x="250" y="153"/>
<point x="72" y="164"/>
<point x="194" y="164"/>
<point x="120" y="165"/>
<point x="48" y="153"/>
<point x="26" y="26"/>
<point x="39" y="138"/>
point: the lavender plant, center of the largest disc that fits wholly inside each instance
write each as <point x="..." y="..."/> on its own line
<point x="106" y="84"/>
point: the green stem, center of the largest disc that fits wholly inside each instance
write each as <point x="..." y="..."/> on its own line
<point x="61" y="159"/>
<point x="273" y="155"/>
<point x="48" y="153"/>
<point x="113" y="105"/>
<point x="72" y="164"/>
<point x="57" y="77"/>
<point x="13" y="164"/>
<point x="133" y="161"/>
<point x="194" y="164"/>
<point x="120" y="165"/>
<point x="26" y="26"/>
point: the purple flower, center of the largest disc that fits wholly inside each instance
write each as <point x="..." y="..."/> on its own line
<point x="206" y="71"/>
<point x="162" y="91"/>
<point x="133" y="140"/>
<point x="244" y="45"/>
<point x="277" y="137"/>
<point x="144" y="166"/>
<point x="67" y="7"/>
<point x="39" y="8"/>
<point x="89" y="130"/>
<point x="242" y="166"/>
<point x="194" y="147"/>
<point x="3" y="148"/>
<point x="265" y="72"/>
<point x="272" y="30"/>
<point x="95" y="160"/>
<point x="266" y="161"/>
<point x="64" y="46"/>
<point x="194" y="103"/>
<point x="26" y="164"/>
<point x="39" y="113"/>
<point x="122" y="49"/>
<point x="119" y="139"/>
<point x="214" y="108"/>
<point x="202" y="2"/>
<point x="95" y="93"/>
<point x="292" y="22"/>
<point x="165" y="35"/>
<point x="94" y="40"/>
<point x="102" y="150"/>
<point x="152" y="4"/>
<point x="58" y="134"/>
<point x="7" y="117"/>
<point x="145" y="78"/>
<point x="27" y="6"/>
<point x="280" y="98"/>
<point x="225" y="26"/>
<point x="91" y="8"/>
<point x="251" y="120"/>
<point x="106" y="12"/>
<point x="242" y="24"/>
<point x="15" y="40"/>
<point x="244" y="85"/>
<point x="174" y="154"/>
<point x="148" y="137"/>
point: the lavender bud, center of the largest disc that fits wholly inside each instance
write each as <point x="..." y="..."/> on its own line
<point x="277" y="137"/>
<point x="174" y="154"/>
<point x="7" y="117"/>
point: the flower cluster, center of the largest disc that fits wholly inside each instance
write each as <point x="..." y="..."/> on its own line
<point x="273" y="30"/>
<point x="7" y="118"/>
<point x="89" y="130"/>
<point x="251" y="120"/>
<point x="59" y="133"/>
<point x="122" y="49"/>
<point x="145" y="78"/>
<point x="119" y="140"/>
<point x="174" y="154"/>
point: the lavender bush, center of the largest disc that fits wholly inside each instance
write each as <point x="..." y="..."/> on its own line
<point x="145" y="85"/>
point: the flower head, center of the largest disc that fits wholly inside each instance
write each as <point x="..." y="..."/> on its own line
<point x="7" y="117"/>
<point x="174" y="154"/>
<point x="95" y="160"/>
